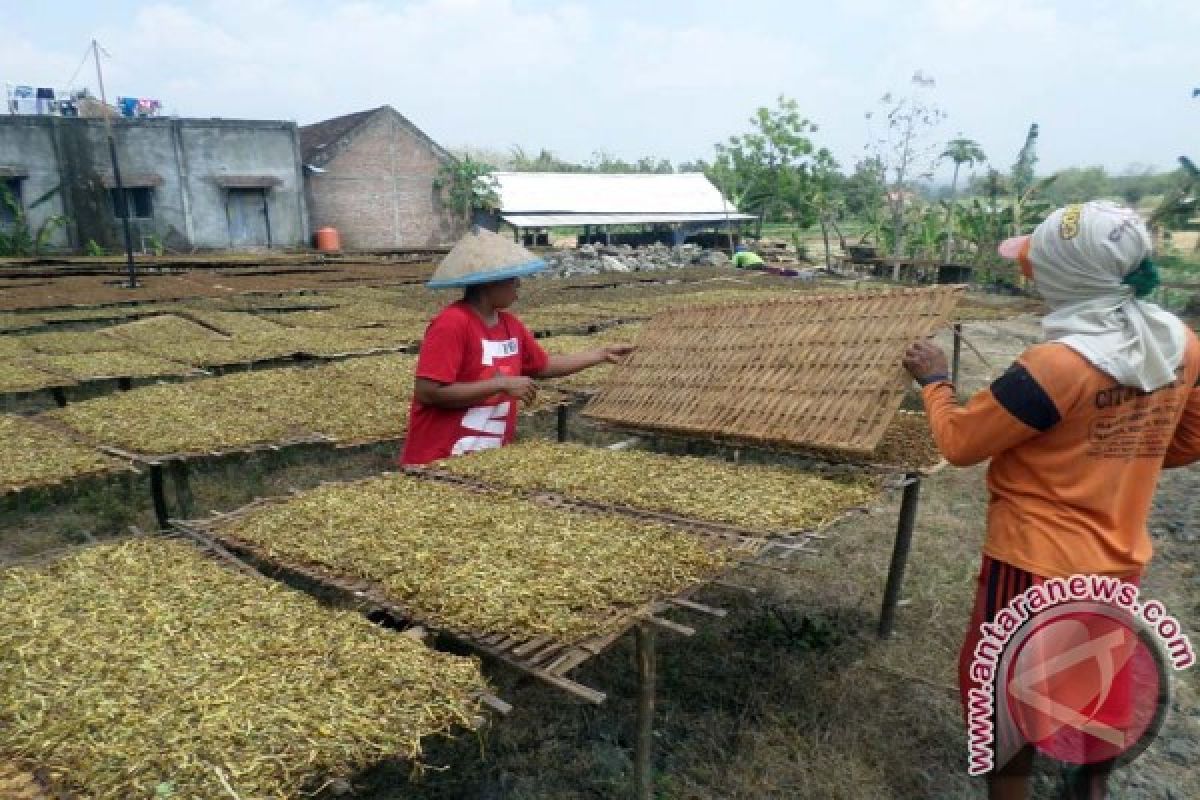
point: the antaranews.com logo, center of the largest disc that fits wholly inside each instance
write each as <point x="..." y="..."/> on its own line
<point x="1076" y="667"/>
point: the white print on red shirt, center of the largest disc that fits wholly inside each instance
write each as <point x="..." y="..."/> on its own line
<point x="489" y="420"/>
<point x="494" y="350"/>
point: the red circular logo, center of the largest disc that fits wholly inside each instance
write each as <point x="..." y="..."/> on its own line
<point x="1087" y="686"/>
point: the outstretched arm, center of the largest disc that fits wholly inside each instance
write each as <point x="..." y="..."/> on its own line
<point x="562" y="365"/>
<point x="1013" y="409"/>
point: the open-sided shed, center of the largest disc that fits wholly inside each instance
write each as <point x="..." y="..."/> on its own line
<point x="681" y="203"/>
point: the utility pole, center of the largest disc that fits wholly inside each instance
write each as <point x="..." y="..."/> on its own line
<point x="122" y="203"/>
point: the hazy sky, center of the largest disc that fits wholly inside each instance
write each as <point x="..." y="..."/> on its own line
<point x="1109" y="81"/>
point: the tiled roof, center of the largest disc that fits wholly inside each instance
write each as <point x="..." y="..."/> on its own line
<point x="317" y="141"/>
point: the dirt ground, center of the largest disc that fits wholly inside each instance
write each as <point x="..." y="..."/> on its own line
<point x="790" y="696"/>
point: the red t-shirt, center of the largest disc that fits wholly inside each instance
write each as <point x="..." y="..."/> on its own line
<point x="459" y="348"/>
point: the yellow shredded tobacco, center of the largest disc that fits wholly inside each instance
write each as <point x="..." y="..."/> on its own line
<point x="487" y="563"/>
<point x="32" y="455"/>
<point x="139" y="665"/>
<point x="762" y="498"/>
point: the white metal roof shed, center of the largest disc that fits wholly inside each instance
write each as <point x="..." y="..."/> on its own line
<point x="550" y="199"/>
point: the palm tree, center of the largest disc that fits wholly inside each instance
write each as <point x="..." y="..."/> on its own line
<point x="960" y="151"/>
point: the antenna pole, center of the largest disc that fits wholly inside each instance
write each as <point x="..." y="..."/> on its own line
<point x="122" y="204"/>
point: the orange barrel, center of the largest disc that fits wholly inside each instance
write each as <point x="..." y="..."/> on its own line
<point x="328" y="240"/>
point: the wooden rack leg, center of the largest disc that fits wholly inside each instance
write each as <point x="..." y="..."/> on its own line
<point x="957" y="353"/>
<point x="643" y="763"/>
<point x="60" y="396"/>
<point x="564" y="412"/>
<point x="156" y="494"/>
<point x="904" y="534"/>
<point x="183" y="489"/>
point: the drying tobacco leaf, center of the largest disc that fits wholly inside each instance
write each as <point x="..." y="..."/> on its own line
<point x="130" y="666"/>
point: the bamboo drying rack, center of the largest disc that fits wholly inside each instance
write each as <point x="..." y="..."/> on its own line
<point x="798" y="539"/>
<point x="812" y="371"/>
<point x="20" y="783"/>
<point x="542" y="657"/>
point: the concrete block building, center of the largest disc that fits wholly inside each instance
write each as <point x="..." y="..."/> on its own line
<point x="371" y="175"/>
<point x="190" y="184"/>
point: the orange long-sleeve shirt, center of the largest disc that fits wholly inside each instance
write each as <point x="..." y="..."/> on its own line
<point x="1075" y="457"/>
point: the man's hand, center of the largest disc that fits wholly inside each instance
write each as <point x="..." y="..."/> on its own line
<point x="925" y="360"/>
<point x="518" y="387"/>
<point x="614" y="354"/>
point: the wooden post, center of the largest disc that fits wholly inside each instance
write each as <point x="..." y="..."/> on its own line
<point x="643" y="763"/>
<point x="564" y="411"/>
<point x="60" y="396"/>
<point x="957" y="354"/>
<point x="904" y="534"/>
<point x="183" y="489"/>
<point x="156" y="494"/>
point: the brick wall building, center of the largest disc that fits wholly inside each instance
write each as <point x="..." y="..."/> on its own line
<point x="371" y="176"/>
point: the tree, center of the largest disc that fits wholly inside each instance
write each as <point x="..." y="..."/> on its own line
<point x="545" y="161"/>
<point x="604" y="162"/>
<point x="905" y="150"/>
<point x="1079" y="185"/>
<point x="467" y="185"/>
<point x="767" y="171"/>
<point x="21" y="239"/>
<point x="1025" y="187"/>
<point x="863" y="192"/>
<point x="1023" y="169"/>
<point x="827" y="199"/>
<point x="1180" y="202"/>
<point x="961" y="151"/>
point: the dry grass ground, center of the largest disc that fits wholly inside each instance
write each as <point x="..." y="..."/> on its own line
<point x="790" y="696"/>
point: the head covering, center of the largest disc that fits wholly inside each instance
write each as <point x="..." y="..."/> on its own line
<point x="1091" y="264"/>
<point x="483" y="257"/>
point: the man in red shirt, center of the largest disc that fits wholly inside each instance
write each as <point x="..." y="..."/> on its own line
<point x="477" y="360"/>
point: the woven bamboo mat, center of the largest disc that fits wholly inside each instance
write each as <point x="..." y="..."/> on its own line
<point x="812" y="371"/>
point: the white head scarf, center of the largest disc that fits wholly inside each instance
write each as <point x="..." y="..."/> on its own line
<point x="1080" y="254"/>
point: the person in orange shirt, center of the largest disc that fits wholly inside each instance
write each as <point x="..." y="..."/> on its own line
<point x="1078" y="429"/>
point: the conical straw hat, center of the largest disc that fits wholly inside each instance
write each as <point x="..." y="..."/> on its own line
<point x="484" y="257"/>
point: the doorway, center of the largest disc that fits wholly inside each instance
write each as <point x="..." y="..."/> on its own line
<point x="249" y="221"/>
